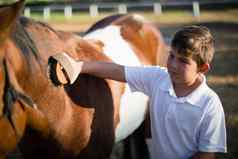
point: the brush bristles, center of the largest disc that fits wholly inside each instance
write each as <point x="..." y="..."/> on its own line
<point x="51" y="72"/>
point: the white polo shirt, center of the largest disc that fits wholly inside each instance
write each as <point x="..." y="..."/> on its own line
<point x="180" y="126"/>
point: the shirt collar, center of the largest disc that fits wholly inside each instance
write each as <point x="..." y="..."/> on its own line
<point x="195" y="98"/>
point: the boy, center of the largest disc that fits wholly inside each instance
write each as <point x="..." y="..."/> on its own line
<point x="187" y="117"/>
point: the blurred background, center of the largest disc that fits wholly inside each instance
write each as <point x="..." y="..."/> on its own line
<point x="82" y="13"/>
<point x="220" y="16"/>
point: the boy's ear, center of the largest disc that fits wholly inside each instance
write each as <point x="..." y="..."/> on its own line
<point x="205" y="68"/>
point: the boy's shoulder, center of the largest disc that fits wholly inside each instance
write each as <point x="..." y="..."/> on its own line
<point x="210" y="99"/>
<point x="211" y="94"/>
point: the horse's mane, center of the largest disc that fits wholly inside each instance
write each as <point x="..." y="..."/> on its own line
<point x="23" y="39"/>
<point x="104" y="22"/>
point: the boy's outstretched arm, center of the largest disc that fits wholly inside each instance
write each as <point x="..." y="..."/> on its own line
<point x="104" y="70"/>
<point x="64" y="70"/>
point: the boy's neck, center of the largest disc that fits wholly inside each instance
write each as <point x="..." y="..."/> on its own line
<point x="186" y="89"/>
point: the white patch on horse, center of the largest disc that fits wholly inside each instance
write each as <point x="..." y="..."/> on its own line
<point x="133" y="105"/>
<point x="115" y="46"/>
<point x="132" y="113"/>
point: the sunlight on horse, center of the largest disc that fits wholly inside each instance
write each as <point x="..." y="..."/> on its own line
<point x="82" y="120"/>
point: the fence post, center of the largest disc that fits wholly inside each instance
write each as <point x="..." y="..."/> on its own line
<point x="157" y="9"/>
<point x="196" y="9"/>
<point x="122" y="9"/>
<point x="93" y="9"/>
<point x="27" y="12"/>
<point x="46" y="13"/>
<point x="68" y="12"/>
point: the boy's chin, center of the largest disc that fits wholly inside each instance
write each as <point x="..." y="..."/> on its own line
<point x="177" y="81"/>
<point x="174" y="78"/>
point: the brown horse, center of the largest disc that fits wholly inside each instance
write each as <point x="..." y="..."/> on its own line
<point x="82" y="120"/>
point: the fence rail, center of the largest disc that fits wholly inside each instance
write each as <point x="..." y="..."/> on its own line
<point x="157" y="8"/>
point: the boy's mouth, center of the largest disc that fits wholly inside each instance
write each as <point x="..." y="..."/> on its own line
<point x="173" y="72"/>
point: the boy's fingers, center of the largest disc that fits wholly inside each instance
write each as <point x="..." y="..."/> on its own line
<point x="70" y="70"/>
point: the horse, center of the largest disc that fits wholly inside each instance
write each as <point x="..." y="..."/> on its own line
<point x="82" y="120"/>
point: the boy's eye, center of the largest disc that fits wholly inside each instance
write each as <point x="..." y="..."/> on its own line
<point x="184" y="61"/>
<point x="171" y="56"/>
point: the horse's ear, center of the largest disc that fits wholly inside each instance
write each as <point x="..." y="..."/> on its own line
<point x="8" y="16"/>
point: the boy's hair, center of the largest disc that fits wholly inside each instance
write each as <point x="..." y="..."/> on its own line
<point x="196" y="42"/>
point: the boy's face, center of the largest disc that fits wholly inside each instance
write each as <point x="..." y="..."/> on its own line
<point x="183" y="70"/>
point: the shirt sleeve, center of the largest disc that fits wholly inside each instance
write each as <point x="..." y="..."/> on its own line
<point x="213" y="129"/>
<point x="143" y="79"/>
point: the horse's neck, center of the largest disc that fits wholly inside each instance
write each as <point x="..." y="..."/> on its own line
<point x="28" y="59"/>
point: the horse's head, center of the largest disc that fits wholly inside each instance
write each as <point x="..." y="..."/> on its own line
<point x="13" y="116"/>
<point x="8" y="17"/>
<point x="10" y="129"/>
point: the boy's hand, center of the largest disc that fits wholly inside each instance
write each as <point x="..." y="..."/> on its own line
<point x="63" y="69"/>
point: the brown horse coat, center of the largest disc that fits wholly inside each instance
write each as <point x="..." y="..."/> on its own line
<point x="76" y="121"/>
